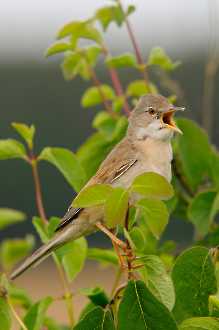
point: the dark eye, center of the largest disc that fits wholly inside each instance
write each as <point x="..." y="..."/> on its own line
<point x="151" y="111"/>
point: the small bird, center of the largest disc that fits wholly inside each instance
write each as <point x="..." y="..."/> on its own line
<point x="145" y="148"/>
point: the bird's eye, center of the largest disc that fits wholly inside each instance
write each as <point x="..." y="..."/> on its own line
<point x="151" y="111"/>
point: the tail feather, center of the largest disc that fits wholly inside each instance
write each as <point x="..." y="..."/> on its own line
<point x="37" y="257"/>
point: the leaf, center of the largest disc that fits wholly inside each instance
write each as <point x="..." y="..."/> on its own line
<point x="92" y="54"/>
<point x="12" y="149"/>
<point x="97" y="319"/>
<point x="116" y="207"/>
<point x="97" y="296"/>
<point x="71" y="65"/>
<point x="139" y="309"/>
<point x="14" y="250"/>
<point x="108" y="14"/>
<point x="121" y="61"/>
<point x="137" y="88"/>
<point x="67" y="163"/>
<point x="194" y="280"/>
<point x="51" y="324"/>
<point x="152" y="185"/>
<point x="34" y="318"/>
<point x="104" y="122"/>
<point x="92" y="95"/>
<point x="137" y="237"/>
<point x="26" y="132"/>
<point x="9" y="217"/>
<point x="200" y="211"/>
<point x="73" y="255"/>
<point x="92" y="195"/>
<point x="214" y="166"/>
<point x="158" y="56"/>
<point x="191" y="160"/>
<point x="157" y="280"/>
<point x="200" y="323"/>
<point x="58" y="47"/>
<point x="40" y="228"/>
<point x="155" y="215"/>
<point x="5" y="315"/>
<point x="213" y="306"/>
<point x="19" y="297"/>
<point x="80" y="29"/>
<point x="87" y="309"/>
<point x="103" y="256"/>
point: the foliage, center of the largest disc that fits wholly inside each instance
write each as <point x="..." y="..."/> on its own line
<point x="162" y="291"/>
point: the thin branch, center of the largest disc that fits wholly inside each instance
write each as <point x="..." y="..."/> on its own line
<point x="116" y="82"/>
<point x="16" y="316"/>
<point x="38" y="190"/>
<point x="136" y="47"/>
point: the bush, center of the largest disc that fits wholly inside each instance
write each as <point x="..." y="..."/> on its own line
<point x="162" y="290"/>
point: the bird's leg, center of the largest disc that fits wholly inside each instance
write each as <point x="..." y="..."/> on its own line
<point x="113" y="237"/>
<point x="117" y="243"/>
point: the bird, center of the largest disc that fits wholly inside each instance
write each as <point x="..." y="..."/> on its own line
<point x="146" y="147"/>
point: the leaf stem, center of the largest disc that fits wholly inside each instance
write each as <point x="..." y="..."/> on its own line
<point x="15" y="314"/>
<point x="118" y="275"/>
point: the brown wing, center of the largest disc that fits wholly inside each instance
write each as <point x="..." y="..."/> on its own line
<point x="120" y="160"/>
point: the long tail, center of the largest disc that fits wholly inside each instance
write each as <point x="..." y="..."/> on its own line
<point x="71" y="232"/>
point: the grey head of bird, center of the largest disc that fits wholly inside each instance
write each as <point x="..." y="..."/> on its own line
<point x="153" y="117"/>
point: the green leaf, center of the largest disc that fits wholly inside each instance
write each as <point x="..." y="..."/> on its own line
<point x="214" y="166"/>
<point x="200" y="323"/>
<point x="92" y="95"/>
<point x="191" y="160"/>
<point x="158" y="56"/>
<point x="155" y="215"/>
<point x="9" y="217"/>
<point x="104" y="122"/>
<point x="14" y="250"/>
<point x="139" y="309"/>
<point x="12" y="149"/>
<point x="67" y="163"/>
<point x="52" y="225"/>
<point x="87" y="309"/>
<point x="58" y="47"/>
<point x="41" y="229"/>
<point x="35" y="316"/>
<point x="108" y="14"/>
<point x="157" y="280"/>
<point x="26" y="132"/>
<point x="200" y="211"/>
<point x="71" y="65"/>
<point x="138" y="238"/>
<point x="214" y="306"/>
<point x="97" y="296"/>
<point x="92" y="195"/>
<point x="51" y="324"/>
<point x="103" y="256"/>
<point x="116" y="207"/>
<point x="19" y="297"/>
<point x="92" y="54"/>
<point x="73" y="255"/>
<point x="137" y="88"/>
<point x="194" y="280"/>
<point x="80" y="29"/>
<point x="152" y="185"/>
<point x="5" y="315"/>
<point x="98" y="319"/>
<point x="121" y="61"/>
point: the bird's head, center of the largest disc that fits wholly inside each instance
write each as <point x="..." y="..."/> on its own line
<point x="153" y="117"/>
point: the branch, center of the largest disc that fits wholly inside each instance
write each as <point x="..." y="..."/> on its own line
<point x="136" y="47"/>
<point x="116" y="82"/>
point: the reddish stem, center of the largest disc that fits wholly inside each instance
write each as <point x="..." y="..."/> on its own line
<point x="38" y="190"/>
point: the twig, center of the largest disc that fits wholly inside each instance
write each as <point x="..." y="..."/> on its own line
<point x="17" y="317"/>
<point x="38" y="190"/>
<point x="136" y="47"/>
<point x="116" y="82"/>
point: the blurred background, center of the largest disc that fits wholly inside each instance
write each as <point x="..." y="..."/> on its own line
<point x="33" y="90"/>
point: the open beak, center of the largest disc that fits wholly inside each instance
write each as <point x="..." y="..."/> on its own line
<point x="167" y="119"/>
